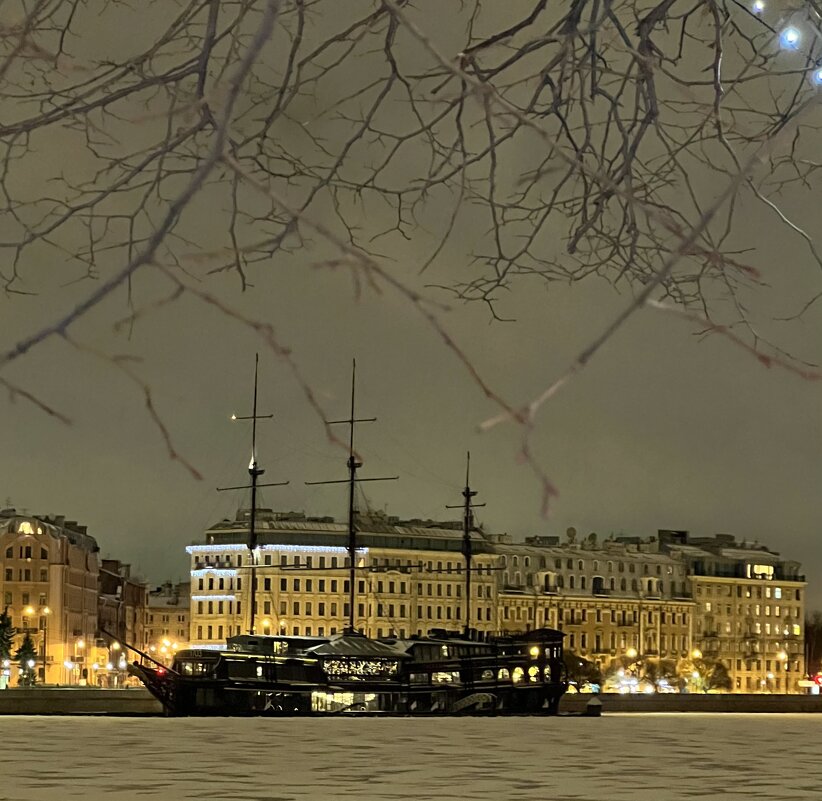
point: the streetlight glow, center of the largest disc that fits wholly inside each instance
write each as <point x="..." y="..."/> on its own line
<point x="631" y="653"/>
<point x="29" y="610"/>
<point x="696" y="654"/>
<point x="758" y="6"/>
<point x="816" y="76"/>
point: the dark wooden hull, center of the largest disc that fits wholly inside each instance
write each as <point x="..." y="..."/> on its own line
<point x="204" y="697"/>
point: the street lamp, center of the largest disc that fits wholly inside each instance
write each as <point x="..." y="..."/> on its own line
<point x="696" y="654"/>
<point x="30" y="611"/>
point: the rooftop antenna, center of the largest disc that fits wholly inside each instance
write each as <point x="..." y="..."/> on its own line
<point x="255" y="471"/>
<point x="467" y="527"/>
<point x="352" y="480"/>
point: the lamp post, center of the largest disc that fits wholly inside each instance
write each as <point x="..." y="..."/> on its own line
<point x="782" y="656"/>
<point x="44" y="613"/>
<point x="80" y="644"/>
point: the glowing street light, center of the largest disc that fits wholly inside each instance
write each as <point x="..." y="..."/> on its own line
<point x="758" y="6"/>
<point x="81" y="643"/>
<point x="790" y="38"/>
<point x="631" y="653"/>
<point x="816" y="77"/>
<point x="696" y="654"/>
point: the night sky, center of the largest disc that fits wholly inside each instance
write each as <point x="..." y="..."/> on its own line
<point x="663" y="429"/>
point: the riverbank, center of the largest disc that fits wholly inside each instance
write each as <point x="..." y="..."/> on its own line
<point x="137" y="701"/>
<point x="692" y="702"/>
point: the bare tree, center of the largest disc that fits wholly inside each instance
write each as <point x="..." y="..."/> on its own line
<point x="588" y="138"/>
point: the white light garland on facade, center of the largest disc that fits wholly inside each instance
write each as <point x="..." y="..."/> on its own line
<point x="223" y="547"/>
<point x="219" y="572"/>
<point x="213" y="597"/>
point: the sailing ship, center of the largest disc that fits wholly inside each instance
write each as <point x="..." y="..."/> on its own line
<point x="443" y="673"/>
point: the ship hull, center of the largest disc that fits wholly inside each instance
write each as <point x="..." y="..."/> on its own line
<point x="181" y="697"/>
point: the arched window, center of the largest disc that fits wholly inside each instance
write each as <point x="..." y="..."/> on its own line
<point x="581" y="565"/>
<point x="623" y="584"/>
<point x="582" y="582"/>
<point x="571" y="582"/>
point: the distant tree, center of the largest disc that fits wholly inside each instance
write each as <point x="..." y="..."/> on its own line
<point x="581" y="670"/>
<point x="26" y="657"/>
<point x="705" y="674"/>
<point x="7" y="633"/>
<point x="813" y="643"/>
<point x="660" y="673"/>
<point x="656" y="672"/>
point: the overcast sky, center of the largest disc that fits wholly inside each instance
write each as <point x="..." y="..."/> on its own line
<point x="663" y="429"/>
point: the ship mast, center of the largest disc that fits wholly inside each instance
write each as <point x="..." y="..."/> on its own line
<point x="255" y="471"/>
<point x="353" y="464"/>
<point x="467" y="527"/>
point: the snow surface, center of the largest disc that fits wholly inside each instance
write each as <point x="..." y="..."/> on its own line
<point x="662" y="757"/>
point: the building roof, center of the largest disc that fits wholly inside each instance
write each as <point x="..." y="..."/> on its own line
<point x="358" y="645"/>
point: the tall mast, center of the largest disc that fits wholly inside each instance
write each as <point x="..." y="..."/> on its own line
<point x="353" y="465"/>
<point x="467" y="527"/>
<point x="255" y="471"/>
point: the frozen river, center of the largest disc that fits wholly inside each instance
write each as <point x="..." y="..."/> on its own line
<point x="630" y="757"/>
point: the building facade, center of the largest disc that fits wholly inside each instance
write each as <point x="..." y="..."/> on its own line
<point x="612" y="600"/>
<point x="410" y="578"/>
<point x="168" y="620"/>
<point x="49" y="571"/>
<point x="669" y="599"/>
<point x="750" y="609"/>
<point x="122" y="607"/>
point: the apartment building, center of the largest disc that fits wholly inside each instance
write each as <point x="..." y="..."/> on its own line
<point x="49" y="571"/>
<point x="168" y="621"/>
<point x="750" y="608"/>
<point x="410" y="578"/>
<point x="611" y="599"/>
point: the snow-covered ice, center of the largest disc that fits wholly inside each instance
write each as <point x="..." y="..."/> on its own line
<point x="613" y="758"/>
